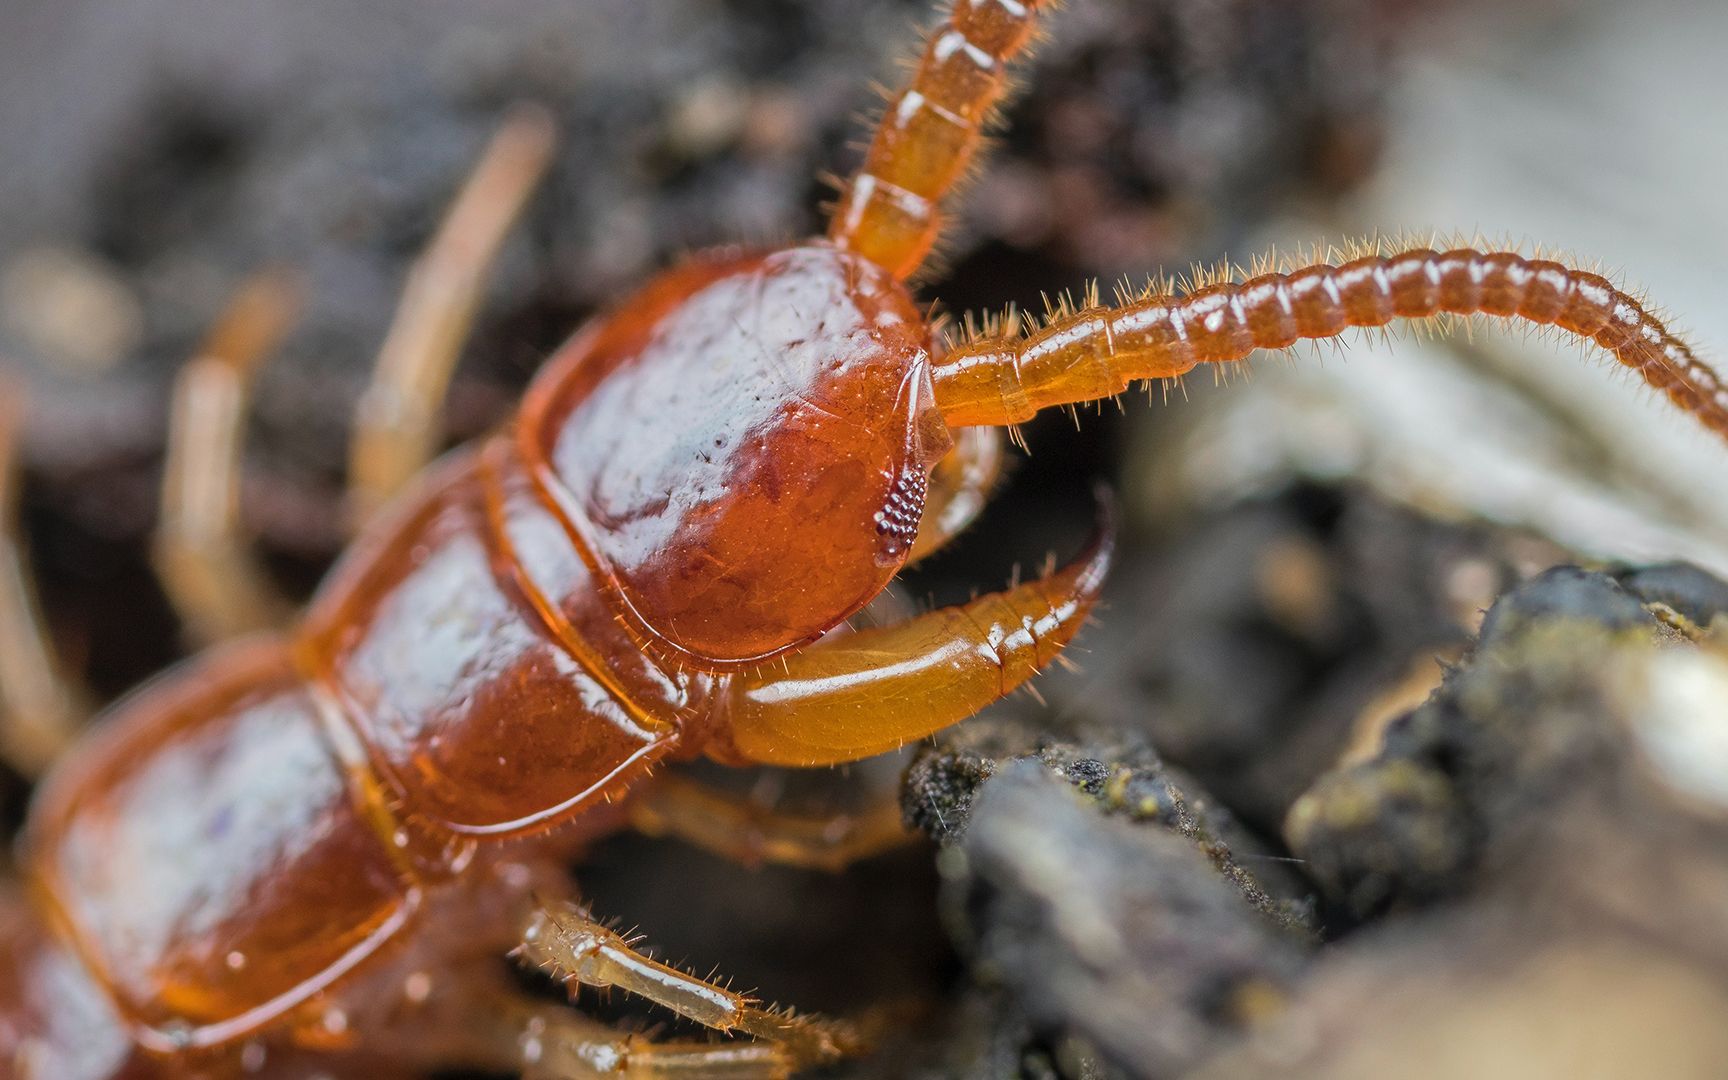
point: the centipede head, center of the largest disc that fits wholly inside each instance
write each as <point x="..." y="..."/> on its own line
<point x="743" y="448"/>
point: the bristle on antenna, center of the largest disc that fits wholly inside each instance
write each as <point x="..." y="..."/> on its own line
<point x="1221" y="314"/>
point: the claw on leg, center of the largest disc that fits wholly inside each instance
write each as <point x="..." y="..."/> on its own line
<point x="734" y="827"/>
<point x="566" y="943"/>
<point x="201" y="553"/>
<point x="39" y="712"/>
<point x="874" y="690"/>
<point x="397" y="421"/>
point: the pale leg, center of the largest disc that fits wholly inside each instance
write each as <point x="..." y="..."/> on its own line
<point x="397" y="423"/>
<point x="202" y="555"/>
<point x="39" y="711"/>
<point x="569" y="945"/>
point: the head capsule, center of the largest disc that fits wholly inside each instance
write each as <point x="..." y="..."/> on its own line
<point x="742" y="449"/>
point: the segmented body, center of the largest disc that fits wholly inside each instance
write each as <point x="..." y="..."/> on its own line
<point x="250" y="829"/>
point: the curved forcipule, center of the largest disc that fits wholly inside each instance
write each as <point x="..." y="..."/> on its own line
<point x="879" y="688"/>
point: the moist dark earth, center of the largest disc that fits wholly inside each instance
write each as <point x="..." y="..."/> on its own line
<point x="1257" y="832"/>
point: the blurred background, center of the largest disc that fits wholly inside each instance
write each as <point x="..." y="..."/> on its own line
<point x="1301" y="543"/>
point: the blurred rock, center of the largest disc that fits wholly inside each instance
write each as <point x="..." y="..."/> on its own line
<point x="1252" y="644"/>
<point x="1529" y="716"/>
<point x="1530" y="874"/>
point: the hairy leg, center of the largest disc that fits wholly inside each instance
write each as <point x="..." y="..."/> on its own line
<point x="560" y="1044"/>
<point x="564" y="941"/>
<point x="891" y="211"/>
<point x="202" y="556"/>
<point x="474" y="1018"/>
<point x="397" y="421"/>
<point x="39" y="711"/>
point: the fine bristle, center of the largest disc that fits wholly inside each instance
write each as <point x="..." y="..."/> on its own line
<point x="1219" y="315"/>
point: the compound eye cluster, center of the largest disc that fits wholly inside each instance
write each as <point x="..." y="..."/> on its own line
<point x="897" y="521"/>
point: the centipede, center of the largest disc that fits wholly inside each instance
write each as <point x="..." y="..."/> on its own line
<point x="304" y="850"/>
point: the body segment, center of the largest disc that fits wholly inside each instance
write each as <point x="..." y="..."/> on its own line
<point x="208" y="860"/>
<point x="467" y="657"/>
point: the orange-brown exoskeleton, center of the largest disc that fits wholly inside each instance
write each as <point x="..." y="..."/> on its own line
<point x="286" y="854"/>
